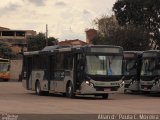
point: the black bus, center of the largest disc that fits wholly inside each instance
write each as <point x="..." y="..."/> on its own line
<point x="150" y="73"/>
<point x="131" y="69"/>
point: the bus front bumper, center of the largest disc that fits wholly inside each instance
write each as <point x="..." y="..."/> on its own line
<point x="132" y="85"/>
<point x="151" y="86"/>
<point x="91" y="89"/>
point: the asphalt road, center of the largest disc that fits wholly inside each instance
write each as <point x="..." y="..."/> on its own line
<point x="15" y="99"/>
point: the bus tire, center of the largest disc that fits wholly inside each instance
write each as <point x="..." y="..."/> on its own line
<point x="64" y="94"/>
<point x="69" y="91"/>
<point x="145" y="92"/>
<point x="105" y="96"/>
<point x="38" y="88"/>
<point x="5" y="80"/>
<point x="125" y="91"/>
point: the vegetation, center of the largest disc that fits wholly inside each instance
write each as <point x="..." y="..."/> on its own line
<point x="145" y="13"/>
<point x="5" y="50"/>
<point x="38" y="42"/>
<point x="128" y="36"/>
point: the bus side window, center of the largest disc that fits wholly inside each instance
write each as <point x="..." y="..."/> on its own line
<point x="68" y="62"/>
<point x="52" y="67"/>
<point x="36" y="61"/>
<point x="59" y="61"/>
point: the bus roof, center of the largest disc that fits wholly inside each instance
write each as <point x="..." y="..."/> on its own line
<point x="132" y="54"/>
<point x="151" y="53"/>
<point x="85" y="48"/>
<point x="136" y="52"/>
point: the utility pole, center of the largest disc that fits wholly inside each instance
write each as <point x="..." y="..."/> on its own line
<point x="46" y="35"/>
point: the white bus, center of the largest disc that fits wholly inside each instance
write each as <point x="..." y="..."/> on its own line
<point x="86" y="70"/>
<point x="150" y="73"/>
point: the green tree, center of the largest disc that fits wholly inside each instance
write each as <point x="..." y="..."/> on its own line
<point x="5" y="50"/>
<point x="52" y="41"/>
<point x="145" y="13"/>
<point x="128" y="36"/>
<point x="38" y="42"/>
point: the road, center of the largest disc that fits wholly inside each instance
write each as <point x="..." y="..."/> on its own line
<point x="15" y="99"/>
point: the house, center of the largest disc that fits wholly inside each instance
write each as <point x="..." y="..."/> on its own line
<point x="90" y="35"/>
<point x="14" y="38"/>
<point x="75" y="42"/>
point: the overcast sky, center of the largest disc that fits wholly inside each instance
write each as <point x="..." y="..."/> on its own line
<point x="66" y="19"/>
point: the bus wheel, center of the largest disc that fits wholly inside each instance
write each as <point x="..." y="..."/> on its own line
<point x="105" y="96"/>
<point x="5" y="80"/>
<point x="69" y="91"/>
<point x="38" y="88"/>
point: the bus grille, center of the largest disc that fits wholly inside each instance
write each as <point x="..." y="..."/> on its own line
<point x="146" y="86"/>
<point x="126" y="85"/>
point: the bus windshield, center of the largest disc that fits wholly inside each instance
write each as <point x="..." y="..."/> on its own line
<point x="104" y="65"/>
<point x="4" y="67"/>
<point x="130" y="67"/>
<point x="149" y="67"/>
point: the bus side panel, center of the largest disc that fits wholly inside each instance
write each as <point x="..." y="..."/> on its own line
<point x="51" y="73"/>
<point x="68" y="77"/>
<point x="40" y="71"/>
<point x="37" y="76"/>
<point x="59" y="80"/>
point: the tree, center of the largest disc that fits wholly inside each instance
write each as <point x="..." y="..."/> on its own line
<point x="145" y="13"/>
<point x="38" y="42"/>
<point x="52" y="41"/>
<point x="5" y="50"/>
<point x="128" y="36"/>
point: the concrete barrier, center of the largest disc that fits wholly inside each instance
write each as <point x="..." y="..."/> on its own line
<point x="15" y="70"/>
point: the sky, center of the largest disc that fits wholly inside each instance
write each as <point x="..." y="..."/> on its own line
<point x="66" y="19"/>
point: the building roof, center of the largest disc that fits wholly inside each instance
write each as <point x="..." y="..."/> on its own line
<point x="72" y="42"/>
<point x="3" y="28"/>
<point x="7" y="29"/>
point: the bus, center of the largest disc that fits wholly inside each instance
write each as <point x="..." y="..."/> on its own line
<point x="150" y="73"/>
<point x="86" y="70"/>
<point x="131" y="69"/>
<point x="4" y="69"/>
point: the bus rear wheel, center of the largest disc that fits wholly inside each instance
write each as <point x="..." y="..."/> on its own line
<point x="105" y="96"/>
<point x="69" y="91"/>
<point x="38" y="88"/>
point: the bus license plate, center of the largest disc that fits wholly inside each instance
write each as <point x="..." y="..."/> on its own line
<point x="107" y="89"/>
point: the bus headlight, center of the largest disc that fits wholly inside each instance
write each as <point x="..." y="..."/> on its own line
<point x="122" y="84"/>
<point x="87" y="82"/>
